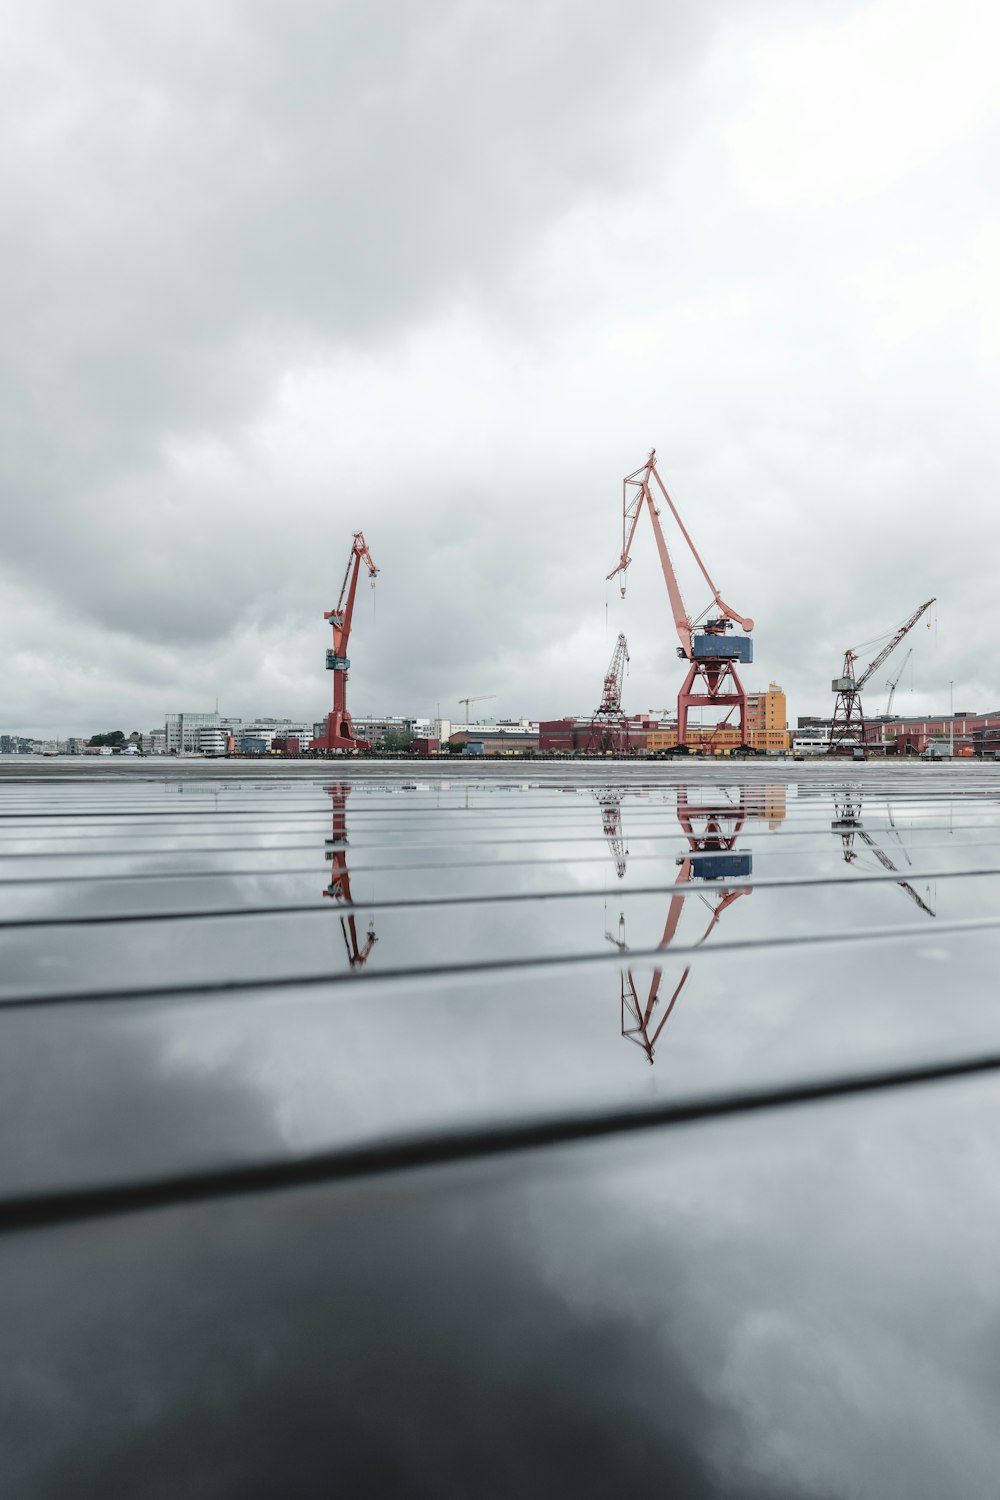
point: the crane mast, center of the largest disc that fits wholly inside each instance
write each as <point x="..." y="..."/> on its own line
<point x="712" y="678"/>
<point x="340" y="734"/>
<point x="847" y="727"/>
<point x="609" y="726"/>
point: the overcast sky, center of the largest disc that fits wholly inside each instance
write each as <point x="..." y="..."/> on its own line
<point x="445" y="272"/>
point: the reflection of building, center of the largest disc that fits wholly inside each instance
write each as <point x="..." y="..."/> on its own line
<point x="765" y="802"/>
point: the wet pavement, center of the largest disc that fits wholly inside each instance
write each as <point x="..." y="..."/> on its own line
<point x="342" y="972"/>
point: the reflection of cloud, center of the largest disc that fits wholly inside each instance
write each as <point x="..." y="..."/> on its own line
<point x="399" y="1337"/>
<point x="92" y="1096"/>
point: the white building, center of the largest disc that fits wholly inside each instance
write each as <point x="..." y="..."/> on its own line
<point x="269" y="730"/>
<point x="182" y="730"/>
<point x="213" y="739"/>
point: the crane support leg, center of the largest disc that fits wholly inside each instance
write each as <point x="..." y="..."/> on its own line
<point x="714" y="683"/>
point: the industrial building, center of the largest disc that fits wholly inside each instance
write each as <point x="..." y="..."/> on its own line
<point x="649" y="734"/>
<point x="965" y="733"/>
<point x="493" y="739"/>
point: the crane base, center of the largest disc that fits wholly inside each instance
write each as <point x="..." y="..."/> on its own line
<point x="339" y="738"/>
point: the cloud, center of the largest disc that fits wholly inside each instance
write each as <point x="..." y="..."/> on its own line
<point x="270" y="277"/>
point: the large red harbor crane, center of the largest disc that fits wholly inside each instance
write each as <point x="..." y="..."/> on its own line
<point x="847" y="727"/>
<point x="339" y="729"/>
<point x="712" y="678"/>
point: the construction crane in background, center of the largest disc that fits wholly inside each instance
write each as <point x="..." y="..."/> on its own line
<point x="480" y="699"/>
<point x="711" y="856"/>
<point x="847" y="822"/>
<point x="894" y="685"/>
<point x="339" y="734"/>
<point x="609" y="726"/>
<point x="847" y="727"/>
<point x="339" y="887"/>
<point x="712" y="652"/>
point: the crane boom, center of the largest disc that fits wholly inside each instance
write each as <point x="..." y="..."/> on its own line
<point x="479" y="698"/>
<point x="887" y="650"/>
<point x="887" y="864"/>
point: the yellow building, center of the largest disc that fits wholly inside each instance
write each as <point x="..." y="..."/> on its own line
<point x="767" y="720"/>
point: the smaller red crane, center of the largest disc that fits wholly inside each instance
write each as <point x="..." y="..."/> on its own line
<point x="339" y="729"/>
<point x="609" y="726"/>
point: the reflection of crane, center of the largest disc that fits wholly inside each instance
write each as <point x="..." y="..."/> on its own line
<point x="710" y="856"/>
<point x="480" y="699"/>
<point x="847" y="806"/>
<point x="710" y="650"/>
<point x="339" y="887"/>
<point x="847" y="727"/>
<point x="609" y="800"/>
<point x="894" y="685"/>
<point x="609" y="726"/>
<point x="339" y="730"/>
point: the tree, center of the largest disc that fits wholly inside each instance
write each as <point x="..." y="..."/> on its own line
<point x="110" y="737"/>
<point x="396" y="739"/>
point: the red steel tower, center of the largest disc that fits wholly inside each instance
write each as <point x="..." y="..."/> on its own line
<point x="339" y="730"/>
<point x="609" y="726"/>
<point x="712" y="652"/>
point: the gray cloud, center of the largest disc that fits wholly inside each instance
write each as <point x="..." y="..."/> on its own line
<point x="273" y="275"/>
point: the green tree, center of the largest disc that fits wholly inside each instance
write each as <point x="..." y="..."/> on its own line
<point x="396" y="739"/>
<point x="110" y="737"/>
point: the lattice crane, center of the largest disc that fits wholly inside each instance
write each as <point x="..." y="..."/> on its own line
<point x="847" y="806"/>
<point x="847" y="727"/>
<point x="339" y="729"/>
<point x="712" y="679"/>
<point x="609" y="726"/>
